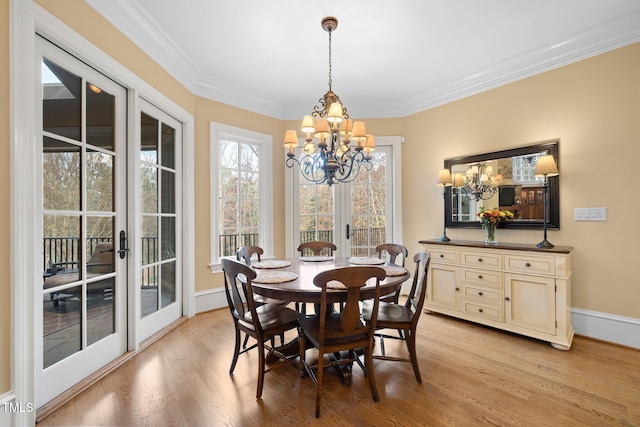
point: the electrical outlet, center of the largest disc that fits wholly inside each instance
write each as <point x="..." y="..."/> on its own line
<point x="590" y="214"/>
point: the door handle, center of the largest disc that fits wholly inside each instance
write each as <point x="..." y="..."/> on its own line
<point x="348" y="231"/>
<point x="123" y="244"/>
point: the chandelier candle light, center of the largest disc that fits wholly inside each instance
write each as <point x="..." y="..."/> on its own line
<point x="343" y="145"/>
<point x="479" y="182"/>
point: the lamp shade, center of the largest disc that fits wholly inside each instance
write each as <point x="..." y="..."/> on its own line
<point x="444" y="177"/>
<point x="290" y="139"/>
<point x="359" y="132"/>
<point x="369" y="144"/>
<point x="346" y="127"/>
<point x="458" y="180"/>
<point x="322" y="128"/>
<point x="307" y="124"/>
<point x="335" y="113"/>
<point x="546" y="166"/>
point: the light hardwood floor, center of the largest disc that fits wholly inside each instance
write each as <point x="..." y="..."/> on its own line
<point x="472" y="376"/>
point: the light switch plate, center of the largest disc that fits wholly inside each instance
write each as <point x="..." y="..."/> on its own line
<point x="590" y="214"/>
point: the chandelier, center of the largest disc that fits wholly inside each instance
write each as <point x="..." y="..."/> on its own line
<point x="342" y="146"/>
<point x="479" y="183"/>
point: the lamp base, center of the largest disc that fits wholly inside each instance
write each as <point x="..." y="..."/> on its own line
<point x="444" y="238"/>
<point x="545" y="244"/>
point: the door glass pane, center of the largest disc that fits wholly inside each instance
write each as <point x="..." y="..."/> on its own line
<point x="61" y="101"/>
<point x="149" y="290"/>
<point x="148" y="139"/>
<point x="100" y="117"/>
<point x="101" y="309"/>
<point x="61" y="246"/>
<point x="168" y="196"/>
<point x="61" y="328"/>
<point x="168" y="237"/>
<point x="100" y="167"/>
<point x="168" y="146"/>
<point x="60" y="175"/>
<point x="168" y="281"/>
<point x="149" y="240"/>
<point x="149" y="188"/>
<point x="100" y="251"/>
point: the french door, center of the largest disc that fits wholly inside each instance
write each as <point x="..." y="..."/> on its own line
<point x="356" y="216"/>
<point x="81" y="302"/>
<point x="160" y="242"/>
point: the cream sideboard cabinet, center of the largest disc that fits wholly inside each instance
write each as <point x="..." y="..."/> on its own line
<point x="514" y="287"/>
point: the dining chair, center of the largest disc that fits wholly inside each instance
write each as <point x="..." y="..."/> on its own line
<point x="245" y="254"/>
<point x="392" y="251"/>
<point x="262" y="322"/>
<point x="332" y="332"/>
<point x="317" y="248"/>
<point x="402" y="316"/>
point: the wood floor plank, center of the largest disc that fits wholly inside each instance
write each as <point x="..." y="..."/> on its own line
<point x="472" y="376"/>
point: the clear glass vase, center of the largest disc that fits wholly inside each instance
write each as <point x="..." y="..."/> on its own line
<point x="490" y="238"/>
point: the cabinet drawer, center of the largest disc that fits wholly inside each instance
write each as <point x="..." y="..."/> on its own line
<point x="530" y="264"/>
<point x="482" y="259"/>
<point x="444" y="256"/>
<point x="482" y="277"/>
<point x="482" y="295"/>
<point x="479" y="310"/>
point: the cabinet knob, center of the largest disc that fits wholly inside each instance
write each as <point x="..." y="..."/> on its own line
<point x="528" y="264"/>
<point x="479" y="276"/>
<point x="480" y="293"/>
<point x="480" y="310"/>
<point x="457" y="289"/>
<point x="506" y="299"/>
<point x="479" y="259"/>
<point x="441" y="255"/>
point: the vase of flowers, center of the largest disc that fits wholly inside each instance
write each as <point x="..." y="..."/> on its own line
<point x="489" y="218"/>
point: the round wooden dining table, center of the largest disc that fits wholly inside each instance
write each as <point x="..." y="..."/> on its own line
<point x="303" y="290"/>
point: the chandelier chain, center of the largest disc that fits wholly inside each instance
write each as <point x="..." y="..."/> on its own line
<point x="330" y="68"/>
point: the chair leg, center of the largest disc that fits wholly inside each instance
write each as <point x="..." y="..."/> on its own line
<point x="369" y="364"/>
<point x="236" y="351"/>
<point x="319" y="384"/>
<point x="411" y="346"/>
<point x="261" y="366"/>
<point x="246" y="340"/>
<point x="302" y="350"/>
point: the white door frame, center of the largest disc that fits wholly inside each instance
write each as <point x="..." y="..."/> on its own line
<point x="26" y="19"/>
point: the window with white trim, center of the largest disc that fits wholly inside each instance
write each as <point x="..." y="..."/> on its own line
<point x="241" y="191"/>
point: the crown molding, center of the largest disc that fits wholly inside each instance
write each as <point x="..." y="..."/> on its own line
<point x="131" y="20"/>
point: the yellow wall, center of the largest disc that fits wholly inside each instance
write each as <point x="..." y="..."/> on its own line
<point x="592" y="106"/>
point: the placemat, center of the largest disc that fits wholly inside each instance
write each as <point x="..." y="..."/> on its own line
<point x="316" y="258"/>
<point x="394" y="270"/>
<point x="335" y="284"/>
<point x="275" y="276"/>
<point x="274" y="263"/>
<point x="365" y="261"/>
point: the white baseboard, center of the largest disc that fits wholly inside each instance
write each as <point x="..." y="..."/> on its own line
<point x="7" y="416"/>
<point x="210" y="300"/>
<point x="607" y="327"/>
<point x="14" y="413"/>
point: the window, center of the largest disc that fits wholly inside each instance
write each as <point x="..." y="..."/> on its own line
<point x="241" y="191"/>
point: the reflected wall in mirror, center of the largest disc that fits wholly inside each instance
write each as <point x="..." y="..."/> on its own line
<point x="518" y="190"/>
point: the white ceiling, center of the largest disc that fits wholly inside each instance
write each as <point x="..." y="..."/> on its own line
<point x="390" y="58"/>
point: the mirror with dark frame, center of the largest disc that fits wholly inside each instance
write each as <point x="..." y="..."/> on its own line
<point x="519" y="191"/>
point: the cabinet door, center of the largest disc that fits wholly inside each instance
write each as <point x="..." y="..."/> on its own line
<point x="530" y="302"/>
<point x="443" y="289"/>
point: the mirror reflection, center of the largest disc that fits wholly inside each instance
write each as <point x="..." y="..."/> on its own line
<point x="505" y="180"/>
